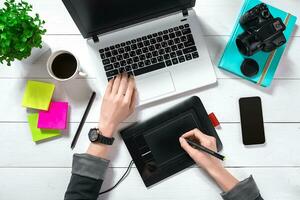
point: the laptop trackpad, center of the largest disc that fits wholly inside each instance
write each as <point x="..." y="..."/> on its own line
<point x="154" y="86"/>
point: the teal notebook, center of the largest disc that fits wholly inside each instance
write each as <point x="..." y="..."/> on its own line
<point x="268" y="62"/>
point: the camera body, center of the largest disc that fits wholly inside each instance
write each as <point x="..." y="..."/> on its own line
<point x="263" y="32"/>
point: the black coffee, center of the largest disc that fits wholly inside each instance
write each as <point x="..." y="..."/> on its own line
<point x="64" y="66"/>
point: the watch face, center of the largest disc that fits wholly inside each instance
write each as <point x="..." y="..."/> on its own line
<point x="93" y="135"/>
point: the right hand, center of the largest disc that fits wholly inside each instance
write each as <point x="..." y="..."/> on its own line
<point x="209" y="163"/>
<point x="204" y="160"/>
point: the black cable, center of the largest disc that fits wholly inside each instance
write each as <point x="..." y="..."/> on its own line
<point x="121" y="179"/>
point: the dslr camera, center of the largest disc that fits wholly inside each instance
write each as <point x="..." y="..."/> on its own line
<point x="261" y="31"/>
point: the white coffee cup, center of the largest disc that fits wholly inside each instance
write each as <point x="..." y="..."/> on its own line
<point x="67" y="71"/>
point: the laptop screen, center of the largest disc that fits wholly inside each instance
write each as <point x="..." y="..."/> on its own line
<point x="99" y="16"/>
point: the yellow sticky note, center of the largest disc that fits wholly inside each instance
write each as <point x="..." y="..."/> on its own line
<point x="40" y="134"/>
<point x="38" y="95"/>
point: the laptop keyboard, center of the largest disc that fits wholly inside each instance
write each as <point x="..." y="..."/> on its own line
<point x="149" y="53"/>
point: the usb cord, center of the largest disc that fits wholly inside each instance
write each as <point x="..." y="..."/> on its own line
<point x="121" y="179"/>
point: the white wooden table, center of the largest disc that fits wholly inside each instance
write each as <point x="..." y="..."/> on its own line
<point x="42" y="171"/>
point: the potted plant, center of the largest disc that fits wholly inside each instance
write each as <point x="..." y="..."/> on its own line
<point x="20" y="33"/>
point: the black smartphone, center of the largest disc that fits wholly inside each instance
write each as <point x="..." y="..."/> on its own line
<point x="252" y="121"/>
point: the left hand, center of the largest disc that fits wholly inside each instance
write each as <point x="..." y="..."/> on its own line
<point x="118" y="103"/>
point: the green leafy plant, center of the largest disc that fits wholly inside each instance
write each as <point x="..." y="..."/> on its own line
<point x="19" y="31"/>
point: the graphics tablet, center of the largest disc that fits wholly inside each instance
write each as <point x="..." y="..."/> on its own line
<point x="154" y="144"/>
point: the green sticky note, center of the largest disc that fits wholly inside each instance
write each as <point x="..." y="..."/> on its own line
<point x="40" y="134"/>
<point x="38" y="95"/>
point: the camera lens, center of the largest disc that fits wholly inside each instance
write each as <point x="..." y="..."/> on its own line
<point x="243" y="48"/>
<point x="247" y="43"/>
<point x="265" y="14"/>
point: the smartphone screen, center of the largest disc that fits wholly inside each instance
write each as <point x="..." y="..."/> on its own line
<point x="252" y="121"/>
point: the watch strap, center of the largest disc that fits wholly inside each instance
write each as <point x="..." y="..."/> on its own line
<point x="103" y="139"/>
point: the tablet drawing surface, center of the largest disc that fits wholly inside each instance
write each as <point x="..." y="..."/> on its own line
<point x="164" y="139"/>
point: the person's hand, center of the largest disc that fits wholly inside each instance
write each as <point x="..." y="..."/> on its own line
<point x="118" y="103"/>
<point x="208" y="162"/>
<point x="204" y="160"/>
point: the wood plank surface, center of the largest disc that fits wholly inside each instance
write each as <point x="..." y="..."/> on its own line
<point x="217" y="16"/>
<point x="280" y="149"/>
<point x="280" y="103"/>
<point x="41" y="171"/>
<point x="72" y="43"/>
<point x="192" y="184"/>
<point x="288" y="68"/>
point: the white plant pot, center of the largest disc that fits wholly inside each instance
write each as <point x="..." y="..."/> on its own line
<point x="36" y="53"/>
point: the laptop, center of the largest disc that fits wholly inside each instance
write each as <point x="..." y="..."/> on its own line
<point x="158" y="41"/>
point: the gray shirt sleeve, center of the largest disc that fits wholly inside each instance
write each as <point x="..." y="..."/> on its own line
<point x="86" y="165"/>
<point x="245" y="190"/>
<point x="89" y="166"/>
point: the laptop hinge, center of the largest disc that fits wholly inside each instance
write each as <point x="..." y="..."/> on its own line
<point x="95" y="39"/>
<point x="185" y="12"/>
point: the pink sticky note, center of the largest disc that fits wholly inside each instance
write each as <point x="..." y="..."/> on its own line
<point x="55" y="117"/>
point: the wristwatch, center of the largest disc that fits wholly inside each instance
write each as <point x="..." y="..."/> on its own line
<point x="96" y="136"/>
